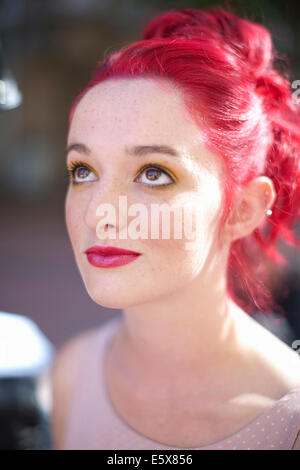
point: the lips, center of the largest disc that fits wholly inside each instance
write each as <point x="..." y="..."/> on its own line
<point x="110" y="256"/>
<point x="110" y="251"/>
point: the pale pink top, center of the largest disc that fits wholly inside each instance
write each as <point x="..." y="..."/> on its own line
<point x="94" y="423"/>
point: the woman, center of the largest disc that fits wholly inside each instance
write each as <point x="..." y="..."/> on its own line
<point x="194" y="117"/>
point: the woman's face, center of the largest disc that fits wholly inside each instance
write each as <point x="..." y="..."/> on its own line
<point x="112" y="118"/>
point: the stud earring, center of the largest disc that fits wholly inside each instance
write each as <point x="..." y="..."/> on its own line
<point x="268" y="211"/>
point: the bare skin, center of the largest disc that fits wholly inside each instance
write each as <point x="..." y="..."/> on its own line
<point x="195" y="410"/>
<point x="188" y="367"/>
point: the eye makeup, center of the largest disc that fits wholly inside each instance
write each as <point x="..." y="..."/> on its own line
<point x="76" y="164"/>
<point x="72" y="167"/>
<point x="154" y="166"/>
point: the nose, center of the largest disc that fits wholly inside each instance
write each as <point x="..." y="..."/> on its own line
<point x="105" y="213"/>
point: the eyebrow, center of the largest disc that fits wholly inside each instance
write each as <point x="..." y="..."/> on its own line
<point x="137" y="150"/>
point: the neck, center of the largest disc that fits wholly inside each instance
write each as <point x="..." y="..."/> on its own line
<point x="192" y="331"/>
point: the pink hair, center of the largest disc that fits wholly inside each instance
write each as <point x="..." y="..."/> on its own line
<point x="225" y="67"/>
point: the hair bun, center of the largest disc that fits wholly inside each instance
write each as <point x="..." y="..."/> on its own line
<point x="173" y="23"/>
<point x="250" y="41"/>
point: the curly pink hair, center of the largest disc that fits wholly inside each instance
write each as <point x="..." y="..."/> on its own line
<point x="226" y="68"/>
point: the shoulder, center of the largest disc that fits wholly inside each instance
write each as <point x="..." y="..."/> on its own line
<point x="70" y="350"/>
<point x="276" y="362"/>
<point x="65" y="364"/>
<point x="63" y="375"/>
<point x="280" y="367"/>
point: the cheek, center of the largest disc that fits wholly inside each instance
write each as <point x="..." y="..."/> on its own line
<point x="195" y="228"/>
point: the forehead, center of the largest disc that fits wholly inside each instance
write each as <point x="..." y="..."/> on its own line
<point x="132" y="105"/>
<point x="139" y="111"/>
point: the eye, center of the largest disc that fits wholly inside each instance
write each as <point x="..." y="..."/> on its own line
<point x="78" y="173"/>
<point x="155" y="176"/>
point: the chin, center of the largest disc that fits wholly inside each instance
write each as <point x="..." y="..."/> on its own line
<point x="118" y="296"/>
<point x="110" y="296"/>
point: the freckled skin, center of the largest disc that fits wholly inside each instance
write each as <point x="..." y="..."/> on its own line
<point x="119" y="119"/>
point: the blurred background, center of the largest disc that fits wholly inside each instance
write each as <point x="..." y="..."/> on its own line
<point x="49" y="50"/>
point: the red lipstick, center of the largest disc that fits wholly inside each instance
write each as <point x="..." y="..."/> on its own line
<point x="109" y="256"/>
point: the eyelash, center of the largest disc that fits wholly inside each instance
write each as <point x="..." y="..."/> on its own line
<point x="76" y="164"/>
<point x="72" y="168"/>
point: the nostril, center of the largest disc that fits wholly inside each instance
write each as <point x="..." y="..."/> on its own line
<point x="106" y="226"/>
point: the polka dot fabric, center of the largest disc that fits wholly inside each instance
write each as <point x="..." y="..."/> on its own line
<point x="94" y="424"/>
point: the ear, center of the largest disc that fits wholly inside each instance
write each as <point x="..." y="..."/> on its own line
<point x="249" y="210"/>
